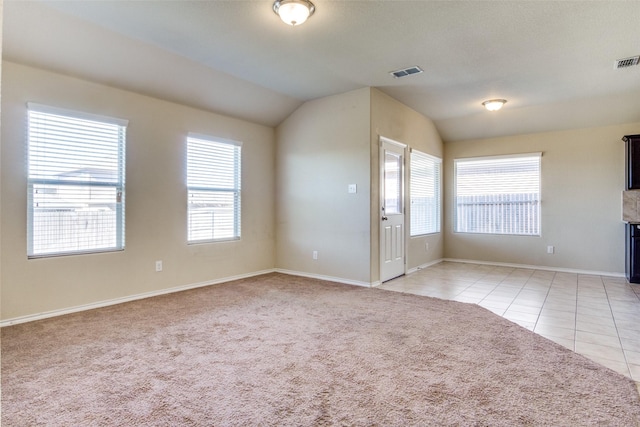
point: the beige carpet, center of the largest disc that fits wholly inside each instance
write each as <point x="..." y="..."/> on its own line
<point x="281" y="350"/>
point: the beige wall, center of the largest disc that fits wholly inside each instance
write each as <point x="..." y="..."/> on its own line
<point x="155" y="199"/>
<point x="391" y="119"/>
<point x="322" y="148"/>
<point x="295" y="197"/>
<point x="582" y="181"/>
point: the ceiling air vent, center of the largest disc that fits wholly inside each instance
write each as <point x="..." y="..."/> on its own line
<point x="627" y="62"/>
<point x="406" y="72"/>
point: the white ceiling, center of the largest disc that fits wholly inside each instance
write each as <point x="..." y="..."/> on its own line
<point x="553" y="60"/>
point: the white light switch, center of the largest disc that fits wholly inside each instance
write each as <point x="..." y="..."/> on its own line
<point x="353" y="188"/>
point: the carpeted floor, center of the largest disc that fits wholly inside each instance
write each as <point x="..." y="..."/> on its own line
<point x="284" y="350"/>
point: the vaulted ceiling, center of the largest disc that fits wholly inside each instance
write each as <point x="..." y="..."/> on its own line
<point x="552" y="60"/>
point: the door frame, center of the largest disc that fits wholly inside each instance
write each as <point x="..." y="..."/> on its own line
<point x="405" y="176"/>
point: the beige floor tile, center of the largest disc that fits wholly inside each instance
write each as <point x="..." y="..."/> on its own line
<point x="523" y="323"/>
<point x="627" y="324"/>
<point x="524" y="308"/>
<point x="488" y="280"/>
<point x="495" y="304"/>
<point x="543" y="274"/>
<point x="617" y="288"/>
<point x="599" y="303"/>
<point x="537" y="286"/>
<point x="596" y="328"/>
<point x="594" y="311"/>
<point x="590" y="337"/>
<point x="561" y="292"/>
<point x="630" y="344"/>
<point x="467" y="299"/>
<point x="430" y="293"/>
<point x="595" y="284"/>
<point x="560" y="276"/>
<point x="628" y="317"/>
<point x="635" y="372"/>
<point x="633" y="357"/>
<point x="619" y="367"/>
<point x="569" y="344"/>
<point x="481" y="287"/>
<point x="560" y="305"/>
<point x="633" y="313"/>
<point x="557" y="314"/>
<point x="498" y="299"/>
<point x="503" y="293"/>
<point x="600" y="351"/>
<point x="556" y="322"/>
<point x="498" y="311"/>
<point x="591" y="293"/>
<point x="524" y="317"/>
<point x="474" y="293"/>
<point x="528" y="302"/>
<point x="533" y="293"/>
<point x="628" y="333"/>
<point x="555" y="331"/>
<point x="599" y="320"/>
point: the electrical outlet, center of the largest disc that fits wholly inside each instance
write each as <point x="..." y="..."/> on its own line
<point x="550" y="249"/>
<point x="353" y="188"/>
<point x="426" y="247"/>
<point x="158" y="265"/>
<point x="315" y="254"/>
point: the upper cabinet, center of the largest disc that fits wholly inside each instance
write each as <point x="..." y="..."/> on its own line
<point x="632" y="163"/>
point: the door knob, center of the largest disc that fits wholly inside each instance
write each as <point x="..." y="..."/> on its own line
<point x="384" y="218"/>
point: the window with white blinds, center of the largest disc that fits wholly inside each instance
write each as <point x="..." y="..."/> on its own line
<point x="76" y="176"/>
<point x="424" y="193"/>
<point x="213" y="181"/>
<point x="498" y="195"/>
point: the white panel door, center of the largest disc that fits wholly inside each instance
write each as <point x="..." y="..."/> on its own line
<point x="392" y="232"/>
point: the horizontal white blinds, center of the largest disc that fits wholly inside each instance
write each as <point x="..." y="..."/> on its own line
<point x="499" y="195"/>
<point x="75" y="183"/>
<point x="213" y="181"/>
<point x="425" y="194"/>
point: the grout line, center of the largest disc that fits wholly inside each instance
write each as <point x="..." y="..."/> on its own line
<point x="575" y="319"/>
<point x="542" y="306"/>
<point x="615" y="325"/>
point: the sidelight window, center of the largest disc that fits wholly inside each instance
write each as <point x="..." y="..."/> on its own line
<point x="424" y="193"/>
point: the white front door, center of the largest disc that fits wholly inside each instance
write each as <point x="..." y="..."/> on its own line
<point x="391" y="209"/>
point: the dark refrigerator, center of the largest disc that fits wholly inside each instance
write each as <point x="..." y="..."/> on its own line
<point x="631" y="204"/>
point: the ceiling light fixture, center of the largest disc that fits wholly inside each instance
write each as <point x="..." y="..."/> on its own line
<point x="293" y="12"/>
<point x="494" y="104"/>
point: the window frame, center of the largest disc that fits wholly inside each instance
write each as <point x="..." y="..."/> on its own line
<point x="118" y="185"/>
<point x="236" y="189"/>
<point x="436" y="164"/>
<point x="537" y="202"/>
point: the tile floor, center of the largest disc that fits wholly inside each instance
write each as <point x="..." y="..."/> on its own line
<point x="596" y="316"/>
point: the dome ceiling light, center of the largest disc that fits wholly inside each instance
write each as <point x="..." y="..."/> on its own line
<point x="293" y="12"/>
<point x="494" y="104"/>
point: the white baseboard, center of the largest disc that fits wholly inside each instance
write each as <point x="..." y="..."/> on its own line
<point x="538" y="267"/>
<point x="425" y="265"/>
<point x="323" y="277"/>
<point x="105" y="303"/>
